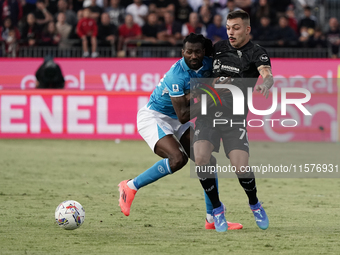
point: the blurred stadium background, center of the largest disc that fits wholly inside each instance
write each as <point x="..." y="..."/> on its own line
<point x="34" y="28"/>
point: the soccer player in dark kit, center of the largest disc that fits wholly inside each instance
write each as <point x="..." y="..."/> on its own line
<point x="239" y="61"/>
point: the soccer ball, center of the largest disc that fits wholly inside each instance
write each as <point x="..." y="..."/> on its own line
<point x="70" y="215"/>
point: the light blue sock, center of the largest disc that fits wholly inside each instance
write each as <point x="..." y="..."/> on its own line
<point x="208" y="203"/>
<point x="157" y="171"/>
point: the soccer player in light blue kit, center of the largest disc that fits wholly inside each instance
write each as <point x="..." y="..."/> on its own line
<point x="164" y="123"/>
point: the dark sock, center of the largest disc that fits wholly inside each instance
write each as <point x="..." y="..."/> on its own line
<point x="247" y="182"/>
<point x="208" y="183"/>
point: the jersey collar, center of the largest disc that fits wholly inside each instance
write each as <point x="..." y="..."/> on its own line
<point x="247" y="45"/>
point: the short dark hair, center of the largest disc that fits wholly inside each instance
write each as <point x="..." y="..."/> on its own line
<point x="239" y="14"/>
<point x="194" y="38"/>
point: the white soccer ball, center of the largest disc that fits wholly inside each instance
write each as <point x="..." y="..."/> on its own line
<point x="70" y="215"/>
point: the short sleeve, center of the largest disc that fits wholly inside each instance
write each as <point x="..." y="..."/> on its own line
<point x="174" y="86"/>
<point x="261" y="57"/>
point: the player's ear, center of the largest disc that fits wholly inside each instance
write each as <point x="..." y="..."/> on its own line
<point x="248" y="30"/>
<point x="182" y="53"/>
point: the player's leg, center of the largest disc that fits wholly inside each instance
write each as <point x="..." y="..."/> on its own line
<point x="174" y="159"/>
<point x="84" y="43"/>
<point x="206" y="174"/>
<point x="186" y="140"/>
<point x="236" y="146"/>
<point x="164" y="144"/>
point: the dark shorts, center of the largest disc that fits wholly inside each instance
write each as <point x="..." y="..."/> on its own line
<point x="233" y="138"/>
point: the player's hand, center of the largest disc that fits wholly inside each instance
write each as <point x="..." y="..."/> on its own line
<point x="263" y="90"/>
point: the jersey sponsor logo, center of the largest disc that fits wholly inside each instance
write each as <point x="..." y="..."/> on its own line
<point x="197" y="132"/>
<point x="264" y="58"/>
<point x="175" y="88"/>
<point x="230" y="69"/>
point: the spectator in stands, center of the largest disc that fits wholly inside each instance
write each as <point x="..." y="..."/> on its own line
<point x="107" y="33"/>
<point x="292" y="21"/>
<point x="193" y="26"/>
<point x="161" y="7"/>
<point x="116" y="13"/>
<point x="42" y="15"/>
<point x="304" y="37"/>
<point x="317" y="40"/>
<point x="71" y="17"/>
<point x="87" y="30"/>
<point x="50" y="36"/>
<point x="308" y="21"/>
<point x="260" y="9"/>
<point x="285" y="35"/>
<point x="64" y="30"/>
<point x="205" y="16"/>
<point x="264" y="32"/>
<point x="12" y="9"/>
<point x="30" y="31"/>
<point x="96" y="11"/>
<point x="10" y="35"/>
<point x="139" y="11"/>
<point x="170" y="30"/>
<point x="127" y="32"/>
<point x="49" y="75"/>
<point x="150" y="29"/>
<point x="333" y="36"/>
<point x="217" y="31"/>
<point x="301" y="4"/>
<point x="182" y="11"/>
<point x="230" y="8"/>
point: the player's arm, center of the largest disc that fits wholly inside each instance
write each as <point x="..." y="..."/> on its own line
<point x="183" y="109"/>
<point x="268" y="80"/>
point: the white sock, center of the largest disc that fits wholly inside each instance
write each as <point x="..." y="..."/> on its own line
<point x="210" y="218"/>
<point x="131" y="185"/>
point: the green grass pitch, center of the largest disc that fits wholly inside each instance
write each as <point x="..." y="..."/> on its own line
<point x="167" y="217"/>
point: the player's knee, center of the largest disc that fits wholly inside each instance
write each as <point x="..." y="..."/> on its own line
<point x="202" y="160"/>
<point x="177" y="161"/>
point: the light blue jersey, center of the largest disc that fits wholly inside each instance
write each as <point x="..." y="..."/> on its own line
<point x="176" y="83"/>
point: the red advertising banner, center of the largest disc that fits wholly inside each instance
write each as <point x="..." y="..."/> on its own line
<point x="67" y="114"/>
<point x="102" y="97"/>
